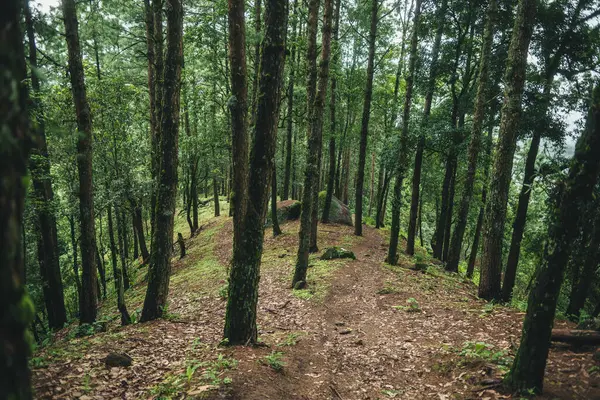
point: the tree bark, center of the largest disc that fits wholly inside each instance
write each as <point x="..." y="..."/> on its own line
<point x="332" y="113"/>
<point x="276" y="228"/>
<point x="88" y="301"/>
<point x="315" y="135"/>
<point x="139" y="229"/>
<point x="528" y="367"/>
<point x="392" y="256"/>
<point x="364" y="127"/>
<point x="39" y="165"/>
<point x="495" y="214"/>
<point x="416" y="181"/>
<point x="160" y="258"/>
<point x="475" y="143"/>
<point x="16" y="308"/>
<point x="240" y="317"/>
<point x="290" y="106"/>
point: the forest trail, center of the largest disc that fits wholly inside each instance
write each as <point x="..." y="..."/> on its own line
<point x="361" y="330"/>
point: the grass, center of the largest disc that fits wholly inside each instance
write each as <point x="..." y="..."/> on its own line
<point x="291" y="339"/>
<point x="274" y="360"/>
<point x="318" y="279"/>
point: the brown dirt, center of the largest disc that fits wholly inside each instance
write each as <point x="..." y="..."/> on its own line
<point x="352" y="342"/>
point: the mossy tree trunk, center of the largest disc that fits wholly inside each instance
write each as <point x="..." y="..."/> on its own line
<point x="48" y="255"/>
<point x="527" y="372"/>
<point x="392" y="256"/>
<point x="240" y="317"/>
<point x="475" y="143"/>
<point x="160" y="258"/>
<point x="290" y="106"/>
<point x="89" y="278"/>
<point x="16" y="308"/>
<point x="495" y="214"/>
<point x="366" y="116"/>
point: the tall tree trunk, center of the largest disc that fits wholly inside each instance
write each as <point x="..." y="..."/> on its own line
<point x="448" y="224"/>
<point x="416" y="181"/>
<point x="75" y="262"/>
<point x="440" y="228"/>
<point x="216" y="196"/>
<point x="495" y="214"/>
<point x="392" y="256"/>
<point x="136" y="247"/>
<point x="581" y="287"/>
<point x="276" y="228"/>
<point x="101" y="272"/>
<point x="88" y="302"/>
<point x="16" y="308"/>
<point x="315" y="135"/>
<point x="139" y="228"/>
<point x="160" y="258"/>
<point x="117" y="273"/>
<point x="121" y="246"/>
<point x="364" y="128"/>
<point x="475" y="143"/>
<point x="290" y="106"/>
<point x="332" y="111"/>
<point x="240" y="317"/>
<point x="528" y="367"/>
<point x="48" y="255"/>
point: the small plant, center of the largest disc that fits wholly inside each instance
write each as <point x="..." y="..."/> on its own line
<point x="412" y="306"/>
<point x="481" y="351"/>
<point x="388" y="288"/>
<point x="274" y="360"/>
<point x="488" y="309"/>
<point x="390" y="393"/>
<point x="224" y="291"/>
<point x="291" y="339"/>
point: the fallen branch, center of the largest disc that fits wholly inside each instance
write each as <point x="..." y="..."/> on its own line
<point x="576" y="336"/>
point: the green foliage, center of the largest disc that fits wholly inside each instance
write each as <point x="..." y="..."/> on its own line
<point x="481" y="351"/>
<point x="411" y="307"/>
<point x="274" y="360"/>
<point x="291" y="339"/>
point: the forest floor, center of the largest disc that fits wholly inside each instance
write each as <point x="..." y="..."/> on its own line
<point x="361" y="330"/>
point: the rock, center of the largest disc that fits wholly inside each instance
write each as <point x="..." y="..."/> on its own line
<point x="282" y="255"/>
<point x="300" y="285"/>
<point x="340" y="323"/>
<point x="339" y="213"/>
<point x="421" y="267"/>
<point x="118" y="360"/>
<point x="337" y="252"/>
<point x="287" y="210"/>
<point x="345" y="331"/>
<point x="359" y="342"/>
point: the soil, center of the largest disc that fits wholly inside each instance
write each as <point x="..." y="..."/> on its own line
<point x="362" y="330"/>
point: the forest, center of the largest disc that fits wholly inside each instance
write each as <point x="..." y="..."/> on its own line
<point x="284" y="199"/>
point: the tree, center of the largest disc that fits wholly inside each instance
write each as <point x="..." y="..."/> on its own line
<point x="160" y="258"/>
<point x="89" y="279"/>
<point x="416" y="181"/>
<point x="316" y="105"/>
<point x="364" y="127"/>
<point x="240" y="317"/>
<point x="495" y="214"/>
<point x="475" y="144"/>
<point x="48" y="255"/>
<point x="392" y="256"/>
<point x="527" y="371"/>
<point x="16" y="308"/>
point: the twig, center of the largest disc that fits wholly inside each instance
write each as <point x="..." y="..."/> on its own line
<point x="334" y="390"/>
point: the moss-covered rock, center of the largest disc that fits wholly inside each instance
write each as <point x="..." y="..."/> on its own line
<point x="337" y="252"/>
<point x="339" y="213"/>
<point x="287" y="210"/>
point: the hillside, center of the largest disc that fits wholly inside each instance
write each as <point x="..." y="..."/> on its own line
<point x="362" y="330"/>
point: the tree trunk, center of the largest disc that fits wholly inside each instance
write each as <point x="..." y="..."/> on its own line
<point x="75" y="263"/>
<point x="39" y="165"/>
<point x="136" y="247"/>
<point x="581" y="286"/>
<point x="88" y="302"/>
<point x="160" y="259"/>
<point x="392" y="256"/>
<point x="290" y="107"/>
<point x="448" y="224"/>
<point x="528" y="368"/>
<point x="240" y="317"/>
<point x="16" y="308"/>
<point x="416" y="181"/>
<point x="364" y="127"/>
<point x="314" y="139"/>
<point x="216" y="196"/>
<point x="332" y="111"/>
<point x="101" y="272"/>
<point x="276" y="228"/>
<point x="139" y="229"/>
<point x="117" y="273"/>
<point x="121" y="246"/>
<point x="495" y="214"/>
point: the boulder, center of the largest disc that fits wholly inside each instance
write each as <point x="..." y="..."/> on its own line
<point x="287" y="210"/>
<point x="337" y="252"/>
<point x="339" y="213"/>
<point x="118" y="360"/>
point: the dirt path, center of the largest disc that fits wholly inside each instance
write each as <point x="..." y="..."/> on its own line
<point x="362" y="330"/>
